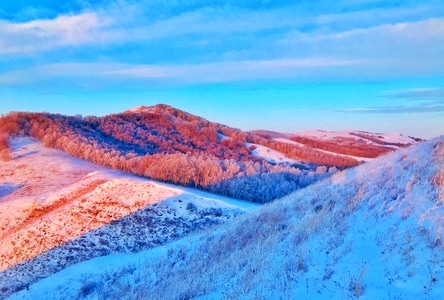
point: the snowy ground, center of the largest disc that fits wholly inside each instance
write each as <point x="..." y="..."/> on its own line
<point x="271" y="155"/>
<point x="56" y="211"/>
<point x="371" y="232"/>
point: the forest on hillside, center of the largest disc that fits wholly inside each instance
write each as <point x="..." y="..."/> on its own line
<point x="343" y="147"/>
<point x="173" y="146"/>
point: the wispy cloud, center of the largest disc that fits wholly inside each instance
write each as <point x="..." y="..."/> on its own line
<point x="413" y="101"/>
<point x="401" y="109"/>
<point x="230" y="71"/>
<point x="435" y="94"/>
<point x="40" y="35"/>
<point x="375" y="40"/>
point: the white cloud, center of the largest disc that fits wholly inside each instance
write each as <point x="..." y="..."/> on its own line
<point x="421" y="94"/>
<point x="232" y="70"/>
<point x="402" y="109"/>
<point x="406" y="48"/>
<point x="421" y="30"/>
<point x="180" y="73"/>
<point x="430" y="29"/>
<point x="41" y="35"/>
<point x="215" y="24"/>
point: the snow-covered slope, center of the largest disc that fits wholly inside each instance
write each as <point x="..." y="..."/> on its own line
<point x="56" y="211"/>
<point x="372" y="232"/>
<point x="270" y="155"/>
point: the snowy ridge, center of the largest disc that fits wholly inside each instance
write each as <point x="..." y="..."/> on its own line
<point x="372" y="232"/>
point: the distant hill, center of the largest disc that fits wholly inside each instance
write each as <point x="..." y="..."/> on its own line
<point x="394" y="140"/>
<point x="358" y="145"/>
<point x="370" y="232"/>
<point x="168" y="144"/>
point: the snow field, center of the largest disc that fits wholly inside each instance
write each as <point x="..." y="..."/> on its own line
<point x="64" y="210"/>
<point x="270" y="155"/>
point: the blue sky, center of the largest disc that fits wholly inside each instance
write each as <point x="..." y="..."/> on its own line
<point x="280" y="65"/>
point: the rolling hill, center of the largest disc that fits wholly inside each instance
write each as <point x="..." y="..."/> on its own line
<point x="164" y="143"/>
<point x="370" y="232"/>
<point x="359" y="145"/>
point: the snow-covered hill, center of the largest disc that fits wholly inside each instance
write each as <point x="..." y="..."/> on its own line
<point x="372" y="232"/>
<point x="56" y="211"/>
<point x="394" y="140"/>
<point x="361" y="146"/>
<point x="167" y="144"/>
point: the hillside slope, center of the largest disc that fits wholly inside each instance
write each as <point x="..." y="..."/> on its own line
<point x="371" y="232"/>
<point x="167" y="144"/>
<point x="56" y="211"/>
<point x="164" y="143"/>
